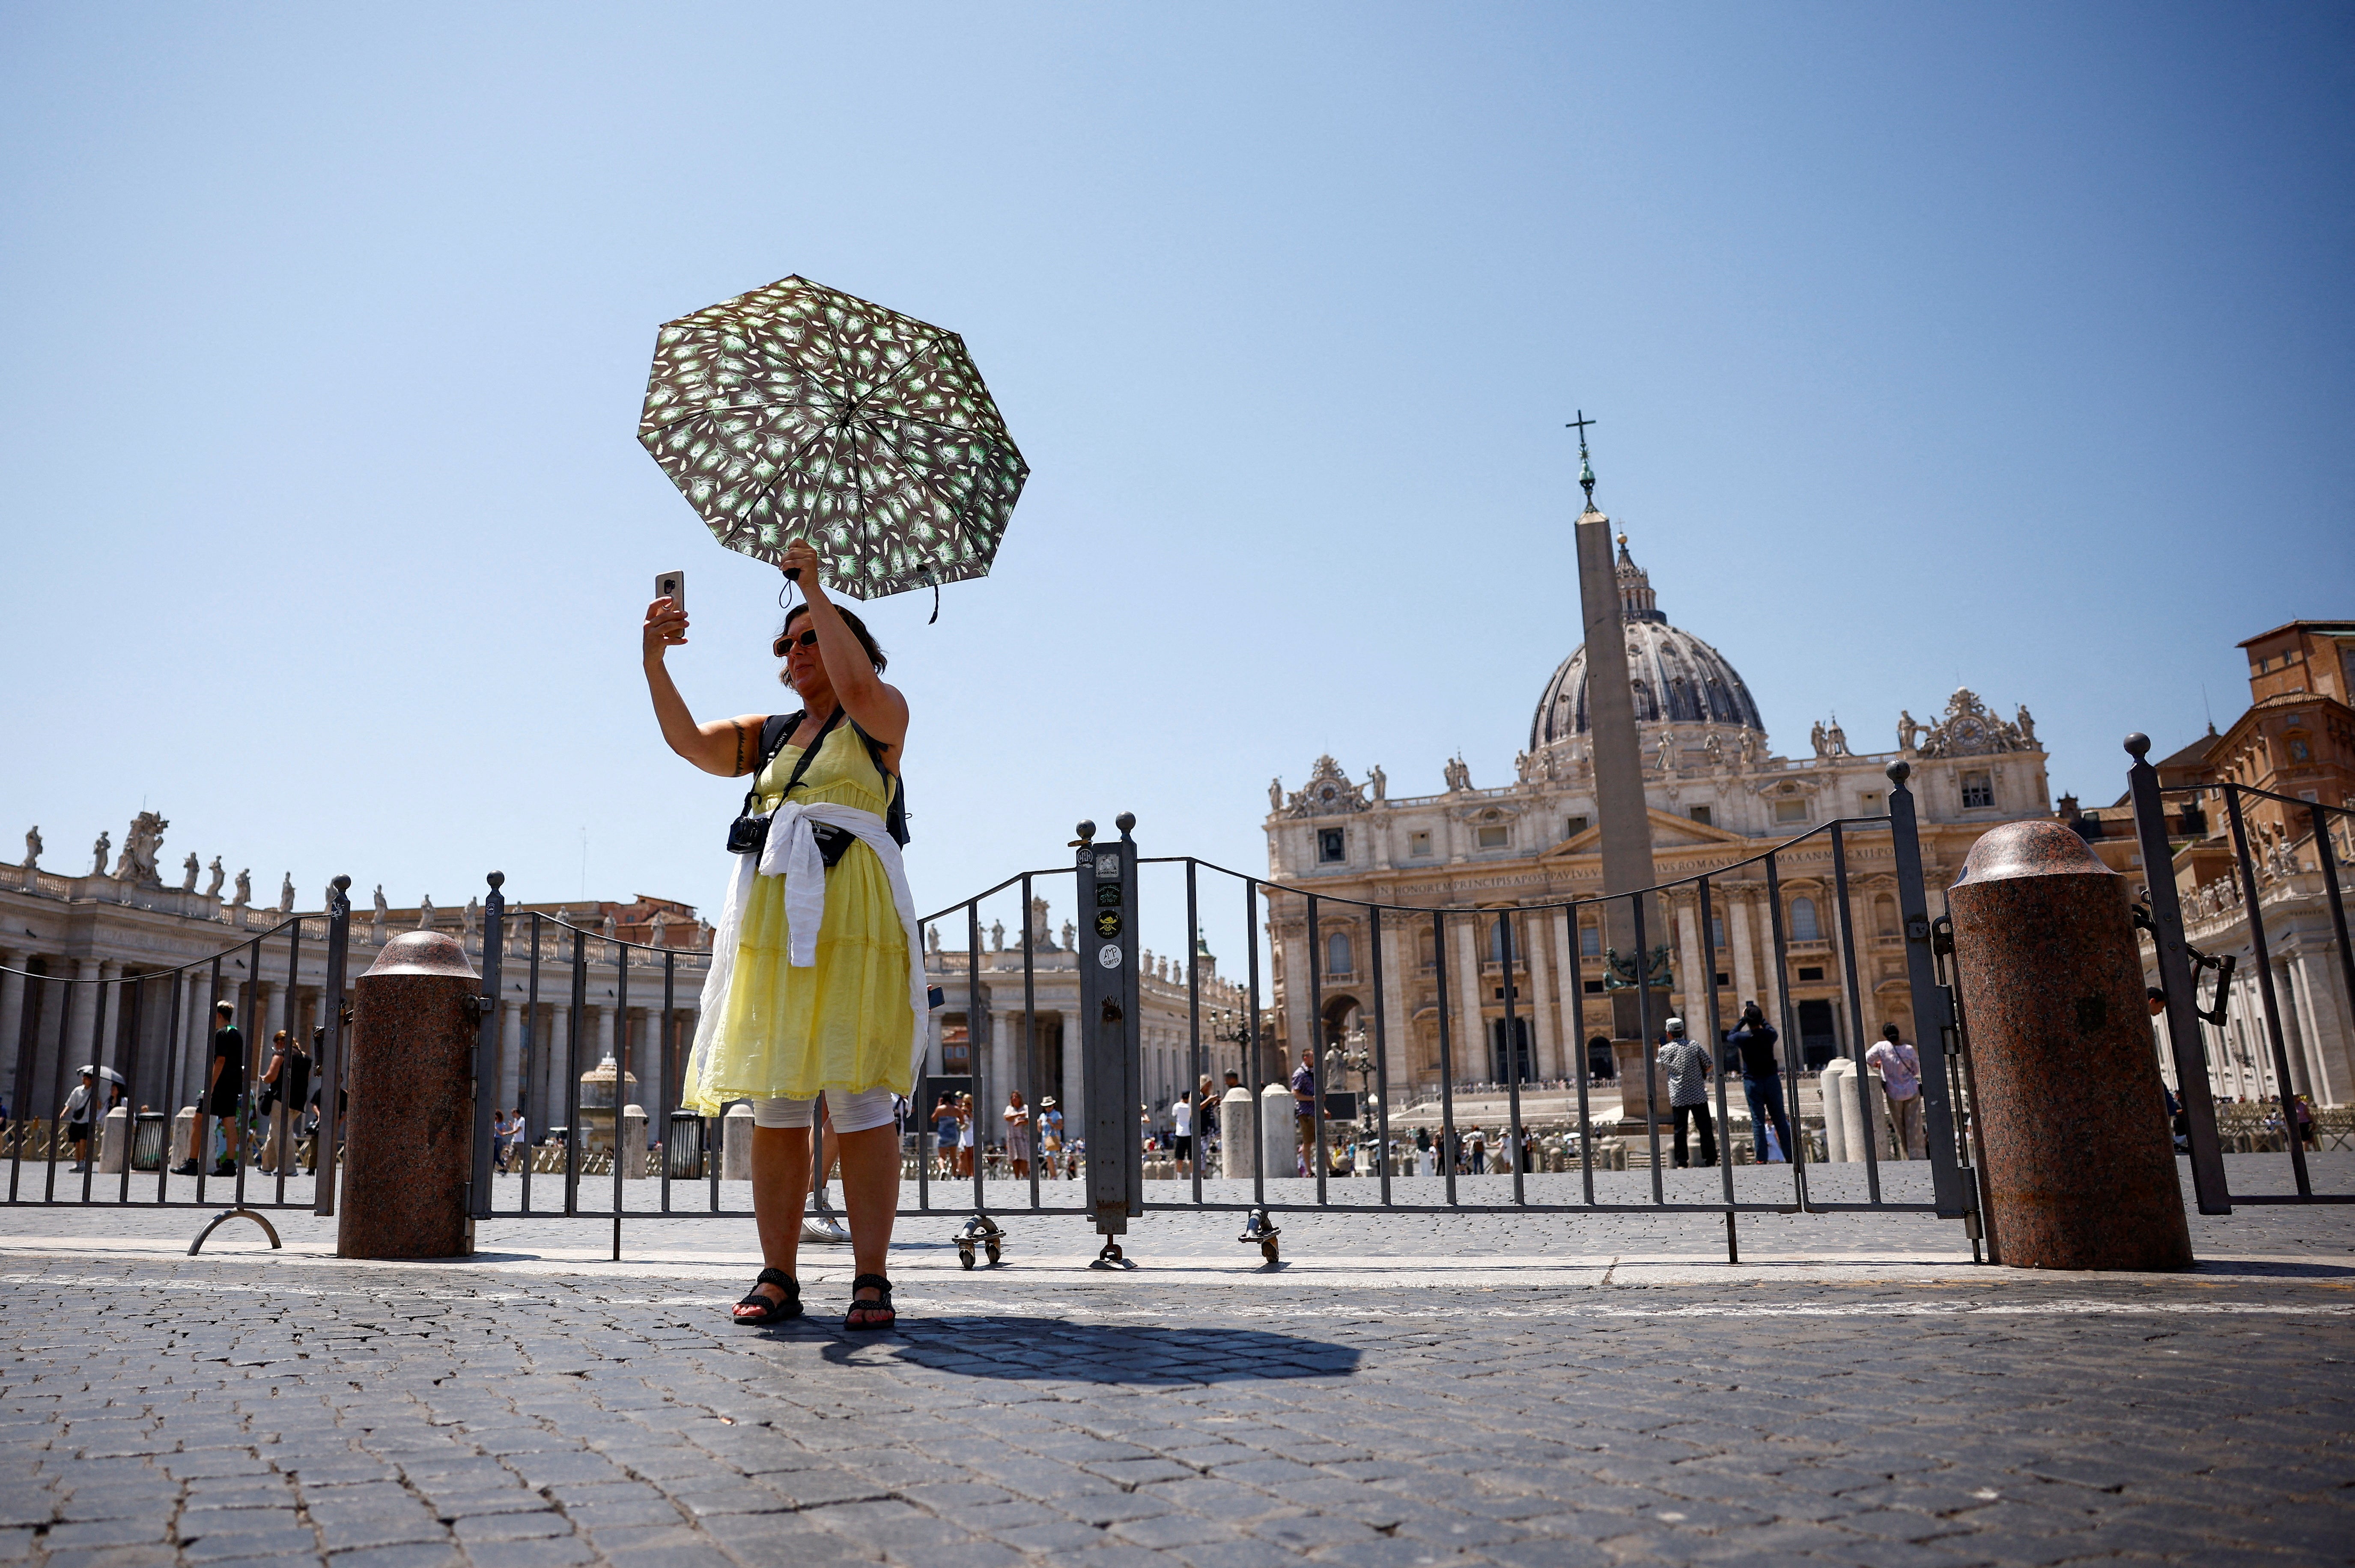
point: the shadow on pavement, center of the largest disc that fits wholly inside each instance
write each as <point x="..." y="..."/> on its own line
<point x="1047" y="1349"/>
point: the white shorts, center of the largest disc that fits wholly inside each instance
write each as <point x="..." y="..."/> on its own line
<point x="860" y="1112"/>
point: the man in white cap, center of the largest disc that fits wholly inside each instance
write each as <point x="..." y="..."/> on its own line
<point x="1686" y="1061"/>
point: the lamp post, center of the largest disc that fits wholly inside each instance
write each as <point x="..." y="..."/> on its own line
<point x="1350" y="1053"/>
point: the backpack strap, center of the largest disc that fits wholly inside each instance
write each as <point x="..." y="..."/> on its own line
<point x="895" y="815"/>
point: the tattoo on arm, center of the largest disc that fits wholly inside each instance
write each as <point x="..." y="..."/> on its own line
<point x="743" y="766"/>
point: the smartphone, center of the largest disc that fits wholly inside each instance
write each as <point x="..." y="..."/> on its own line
<point x="672" y="585"/>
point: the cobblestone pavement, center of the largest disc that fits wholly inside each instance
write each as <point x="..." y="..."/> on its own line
<point x="287" y="1406"/>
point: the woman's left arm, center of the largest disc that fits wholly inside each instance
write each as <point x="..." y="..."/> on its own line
<point x="866" y="696"/>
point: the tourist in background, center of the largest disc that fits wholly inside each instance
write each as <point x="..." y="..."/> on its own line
<point x="1018" y="1134"/>
<point x="1304" y="1111"/>
<point x="75" y="1117"/>
<point x="1051" y="1134"/>
<point x="1762" y="1086"/>
<point x="224" y="1087"/>
<point x="1686" y="1061"/>
<point x="1900" y="1067"/>
<point x="817" y="984"/>
<point x="1181" y="1124"/>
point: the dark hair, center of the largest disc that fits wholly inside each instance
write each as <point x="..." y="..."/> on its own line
<point x="1889" y="1031"/>
<point x="875" y="654"/>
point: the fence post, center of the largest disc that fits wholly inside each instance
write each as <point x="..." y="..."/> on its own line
<point x="486" y="1049"/>
<point x="1951" y="1192"/>
<point x="2178" y="980"/>
<point x="327" y="1137"/>
<point x="2080" y="1166"/>
<point x="409" y="1141"/>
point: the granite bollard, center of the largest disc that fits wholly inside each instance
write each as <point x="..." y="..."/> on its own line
<point x="408" y="1134"/>
<point x="1238" y="1155"/>
<point x="736" y="1143"/>
<point x="1277" y="1140"/>
<point x="2080" y="1166"/>
<point x="114" y="1141"/>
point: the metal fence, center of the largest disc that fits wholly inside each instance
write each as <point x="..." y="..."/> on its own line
<point x="88" y="1005"/>
<point x="1944" y="1076"/>
<point x="2255" y="888"/>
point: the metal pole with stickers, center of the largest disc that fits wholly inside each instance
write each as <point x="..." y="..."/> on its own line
<point x="1110" y="1086"/>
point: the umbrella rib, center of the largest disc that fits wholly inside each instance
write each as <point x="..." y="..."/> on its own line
<point x="645" y="429"/>
<point x="960" y="510"/>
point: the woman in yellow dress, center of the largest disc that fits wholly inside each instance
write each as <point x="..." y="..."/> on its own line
<point x="813" y="989"/>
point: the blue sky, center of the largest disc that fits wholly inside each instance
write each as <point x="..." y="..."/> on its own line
<point x="1931" y="345"/>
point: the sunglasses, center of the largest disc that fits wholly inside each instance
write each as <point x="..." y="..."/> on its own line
<point x="807" y="640"/>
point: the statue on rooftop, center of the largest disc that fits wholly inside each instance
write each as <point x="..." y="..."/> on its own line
<point x="106" y="842"/>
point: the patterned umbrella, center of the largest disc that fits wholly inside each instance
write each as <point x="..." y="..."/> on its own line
<point x="796" y="411"/>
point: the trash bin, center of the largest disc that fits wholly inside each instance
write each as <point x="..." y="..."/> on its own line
<point x="150" y="1142"/>
<point x="683" y="1148"/>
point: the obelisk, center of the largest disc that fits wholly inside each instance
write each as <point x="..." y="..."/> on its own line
<point x="1626" y="827"/>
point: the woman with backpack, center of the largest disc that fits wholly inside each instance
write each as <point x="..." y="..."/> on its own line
<point x="815" y="986"/>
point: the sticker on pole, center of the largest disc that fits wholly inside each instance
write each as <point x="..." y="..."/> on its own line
<point x="1107" y="923"/>
<point x="1109" y="955"/>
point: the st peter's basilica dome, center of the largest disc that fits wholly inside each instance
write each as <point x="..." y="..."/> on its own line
<point x="1672" y="673"/>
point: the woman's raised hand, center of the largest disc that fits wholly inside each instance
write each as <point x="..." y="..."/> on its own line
<point x="665" y="627"/>
<point x="800" y="564"/>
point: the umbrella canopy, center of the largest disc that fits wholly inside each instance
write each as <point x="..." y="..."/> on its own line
<point x="107" y="1073"/>
<point x="797" y="411"/>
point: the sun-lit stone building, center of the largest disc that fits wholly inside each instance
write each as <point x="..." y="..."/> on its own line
<point x="1717" y="795"/>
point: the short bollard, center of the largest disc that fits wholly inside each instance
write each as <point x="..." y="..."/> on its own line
<point x="1236" y="1150"/>
<point x="2080" y="1165"/>
<point x="1276" y="1137"/>
<point x="736" y="1143"/>
<point x="409" y="1135"/>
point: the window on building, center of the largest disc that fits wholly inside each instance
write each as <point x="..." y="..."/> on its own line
<point x="1717" y="931"/>
<point x="1336" y="953"/>
<point x="1418" y="844"/>
<point x="1812" y="972"/>
<point x="1495" y="837"/>
<point x="1590" y="941"/>
<point x="956" y="1046"/>
<point x="1884" y="916"/>
<point x="1594" y="987"/>
<point x="1805" y="926"/>
<point x="1497" y="941"/>
<point x="1873" y="804"/>
<point x="1700" y="814"/>
<point x="1978" y="789"/>
<point x="1332" y="846"/>
<point x="1572" y="826"/>
<point x="1792" y="808"/>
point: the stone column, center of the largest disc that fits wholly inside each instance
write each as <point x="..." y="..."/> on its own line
<point x="1548" y="1062"/>
<point x="1770" y="974"/>
<point x="1565" y="929"/>
<point x="1698" y="978"/>
<point x="1397" y="1029"/>
<point x="510" y="1053"/>
<point x="12" y="1016"/>
<point x="2080" y="1169"/>
<point x="1301" y="1022"/>
<point x="1737" y="930"/>
<point x="2325" y="1011"/>
<point x="604" y="1035"/>
<point x="190" y="1056"/>
<point x="1470" y="1045"/>
<point x="408" y="1141"/>
<point x="108" y="1001"/>
<point x="1074" y="1076"/>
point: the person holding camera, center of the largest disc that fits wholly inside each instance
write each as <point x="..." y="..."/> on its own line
<point x="815" y="986"/>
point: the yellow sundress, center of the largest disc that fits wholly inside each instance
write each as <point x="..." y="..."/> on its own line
<point x="844" y="1023"/>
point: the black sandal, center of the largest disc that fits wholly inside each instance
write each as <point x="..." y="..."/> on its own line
<point x="879" y="1314"/>
<point x="771" y="1311"/>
